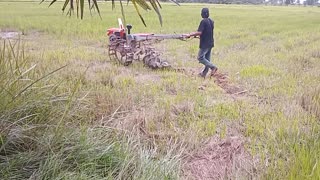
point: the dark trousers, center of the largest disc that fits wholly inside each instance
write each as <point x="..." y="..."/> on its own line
<point x="204" y="57"/>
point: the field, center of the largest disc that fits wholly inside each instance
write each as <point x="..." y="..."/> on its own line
<point x="68" y="112"/>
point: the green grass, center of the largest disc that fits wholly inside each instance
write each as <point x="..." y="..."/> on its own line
<point x="94" y="119"/>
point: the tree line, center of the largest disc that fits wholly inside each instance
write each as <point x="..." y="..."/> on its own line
<point x="272" y="2"/>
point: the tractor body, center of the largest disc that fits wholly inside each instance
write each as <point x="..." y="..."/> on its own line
<point x="126" y="47"/>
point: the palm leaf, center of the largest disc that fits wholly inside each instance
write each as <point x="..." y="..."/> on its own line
<point x="71" y="9"/>
<point x="92" y="6"/>
<point x="89" y="3"/>
<point x="174" y="1"/>
<point x="77" y="3"/>
<point x="156" y="6"/>
<point x="143" y="4"/>
<point x="69" y="12"/>
<point x="65" y="5"/>
<point x="97" y="7"/>
<point x="156" y="9"/>
<point x="137" y="9"/>
<point x="81" y="7"/>
<point x="52" y="2"/>
<point x="113" y="5"/>
<point x="159" y="4"/>
<point x="122" y="12"/>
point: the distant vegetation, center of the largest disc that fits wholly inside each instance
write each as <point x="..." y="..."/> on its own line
<point x="271" y="2"/>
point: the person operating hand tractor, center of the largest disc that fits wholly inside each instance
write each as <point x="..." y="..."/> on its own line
<point x="205" y="31"/>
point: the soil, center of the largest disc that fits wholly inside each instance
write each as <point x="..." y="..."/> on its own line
<point x="221" y="158"/>
<point x="222" y="80"/>
<point x="9" y="34"/>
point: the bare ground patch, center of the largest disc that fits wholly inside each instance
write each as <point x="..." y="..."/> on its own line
<point x="31" y="35"/>
<point x="221" y="158"/>
<point x="9" y="34"/>
<point x="222" y="80"/>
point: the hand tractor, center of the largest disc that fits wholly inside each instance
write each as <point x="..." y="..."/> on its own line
<point x="126" y="47"/>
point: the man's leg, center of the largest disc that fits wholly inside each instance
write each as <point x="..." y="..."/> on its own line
<point x="203" y="53"/>
<point x="208" y="54"/>
<point x="205" y="71"/>
<point x="201" y="56"/>
<point x="208" y="57"/>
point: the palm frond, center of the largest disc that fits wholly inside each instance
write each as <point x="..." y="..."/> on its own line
<point x="159" y="4"/>
<point x="137" y="9"/>
<point x="92" y="6"/>
<point x="143" y="4"/>
<point x="81" y="8"/>
<point x="52" y="2"/>
<point x="113" y="4"/>
<point x="156" y="9"/>
<point x="77" y="3"/>
<point x="122" y="12"/>
<point x="97" y="7"/>
<point x="174" y="1"/>
<point x="65" y="4"/>
<point x="156" y="6"/>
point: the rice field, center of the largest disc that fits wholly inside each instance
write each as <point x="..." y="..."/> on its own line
<point x="69" y="112"/>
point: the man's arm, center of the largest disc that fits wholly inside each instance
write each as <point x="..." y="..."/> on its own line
<point x="193" y="34"/>
<point x="198" y="33"/>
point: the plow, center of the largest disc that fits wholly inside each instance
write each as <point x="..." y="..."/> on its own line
<point x="125" y="47"/>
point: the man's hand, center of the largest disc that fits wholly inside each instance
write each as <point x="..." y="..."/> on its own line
<point x="186" y="36"/>
<point x="193" y="34"/>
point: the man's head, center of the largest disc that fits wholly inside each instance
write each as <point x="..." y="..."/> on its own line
<point x="205" y="13"/>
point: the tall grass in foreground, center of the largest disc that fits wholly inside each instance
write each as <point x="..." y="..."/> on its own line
<point x="39" y="141"/>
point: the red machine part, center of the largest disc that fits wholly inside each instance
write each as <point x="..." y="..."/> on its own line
<point x="116" y="31"/>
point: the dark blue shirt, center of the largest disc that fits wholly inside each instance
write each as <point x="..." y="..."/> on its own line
<point x="206" y="28"/>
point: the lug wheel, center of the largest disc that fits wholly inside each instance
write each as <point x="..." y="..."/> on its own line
<point x="124" y="58"/>
<point x="112" y="52"/>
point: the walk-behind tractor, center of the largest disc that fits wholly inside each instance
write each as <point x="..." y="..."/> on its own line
<point x="126" y="47"/>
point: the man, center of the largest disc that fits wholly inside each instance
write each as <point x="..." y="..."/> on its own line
<point x="205" y="31"/>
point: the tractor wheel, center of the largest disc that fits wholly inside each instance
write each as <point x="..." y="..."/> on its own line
<point x="146" y="59"/>
<point x="112" y="52"/>
<point x="112" y="39"/>
<point x="124" y="58"/>
<point x="113" y="44"/>
<point x="152" y="61"/>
